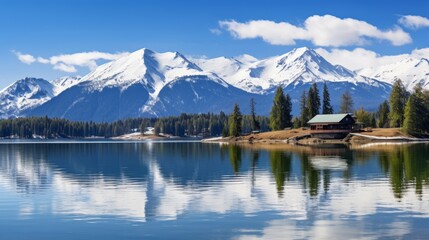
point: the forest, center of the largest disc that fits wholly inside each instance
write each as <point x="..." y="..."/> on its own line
<point x="185" y="125"/>
<point x="408" y="111"/>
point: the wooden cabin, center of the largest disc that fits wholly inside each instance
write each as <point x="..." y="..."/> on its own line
<point x="331" y="126"/>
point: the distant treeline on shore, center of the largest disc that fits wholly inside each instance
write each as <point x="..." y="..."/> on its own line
<point x="203" y="125"/>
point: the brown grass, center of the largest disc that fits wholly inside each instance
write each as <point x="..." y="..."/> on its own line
<point x="276" y="135"/>
<point x="281" y="136"/>
<point x="385" y="132"/>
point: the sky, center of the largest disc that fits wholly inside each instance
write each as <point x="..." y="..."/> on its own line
<point x="50" y="39"/>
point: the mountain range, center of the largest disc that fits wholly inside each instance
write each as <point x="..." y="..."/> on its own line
<point x="146" y="83"/>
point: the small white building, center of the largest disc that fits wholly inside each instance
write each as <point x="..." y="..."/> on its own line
<point x="149" y="131"/>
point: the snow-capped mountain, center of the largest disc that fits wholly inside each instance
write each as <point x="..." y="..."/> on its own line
<point x="301" y="65"/>
<point x="296" y="71"/>
<point x="137" y="85"/>
<point x="29" y="93"/>
<point x="23" y="95"/>
<point x="411" y="71"/>
<point x="147" y="83"/>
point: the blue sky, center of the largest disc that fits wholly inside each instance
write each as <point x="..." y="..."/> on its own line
<point x="39" y="31"/>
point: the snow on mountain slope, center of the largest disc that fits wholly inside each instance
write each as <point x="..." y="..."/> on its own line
<point x="225" y="67"/>
<point x="194" y="94"/>
<point x="24" y="94"/>
<point x="64" y="83"/>
<point x="151" y="69"/>
<point x="301" y="65"/>
<point x="144" y="66"/>
<point x="411" y="71"/>
<point x="128" y="87"/>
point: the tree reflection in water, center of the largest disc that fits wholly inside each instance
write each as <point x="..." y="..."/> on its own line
<point x="281" y="168"/>
<point x="407" y="166"/>
<point x="235" y="157"/>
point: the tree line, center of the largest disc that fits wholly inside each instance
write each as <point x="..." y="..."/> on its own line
<point x="281" y="112"/>
<point x="203" y="125"/>
<point x="409" y="111"/>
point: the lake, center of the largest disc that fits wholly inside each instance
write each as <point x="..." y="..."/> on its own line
<point x="191" y="190"/>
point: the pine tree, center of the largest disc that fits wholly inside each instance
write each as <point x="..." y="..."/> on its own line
<point x="142" y="128"/>
<point x="373" y="121"/>
<point x="346" y="103"/>
<point x="397" y="100"/>
<point x="276" y="110"/>
<point x="416" y="113"/>
<point x="280" y="116"/>
<point x="255" y="123"/>
<point x="304" y="117"/>
<point x="411" y="116"/>
<point x="287" y="116"/>
<point x="235" y="122"/>
<point x="313" y="101"/>
<point x="326" y="107"/>
<point x="383" y="115"/>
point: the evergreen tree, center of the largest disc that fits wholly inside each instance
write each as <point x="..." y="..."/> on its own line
<point x="235" y="122"/>
<point x="346" y="103"/>
<point x="313" y="101"/>
<point x="225" y="132"/>
<point x="296" y="122"/>
<point x="373" y="121"/>
<point x="366" y="118"/>
<point x="255" y="123"/>
<point x="287" y="116"/>
<point x="276" y="110"/>
<point x="397" y="100"/>
<point x="416" y="113"/>
<point x="280" y="116"/>
<point x="411" y="116"/>
<point x="304" y="117"/>
<point x="383" y="115"/>
<point x="142" y="128"/>
<point x="326" y="107"/>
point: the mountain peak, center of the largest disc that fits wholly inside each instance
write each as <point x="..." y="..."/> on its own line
<point x="142" y="51"/>
<point x="303" y="54"/>
<point x="412" y="71"/>
<point x="246" y="58"/>
<point x="143" y="65"/>
<point x="24" y="94"/>
<point x="301" y="50"/>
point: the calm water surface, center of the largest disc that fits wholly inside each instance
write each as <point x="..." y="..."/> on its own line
<point x="188" y="190"/>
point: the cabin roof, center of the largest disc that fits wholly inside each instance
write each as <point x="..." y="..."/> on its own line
<point x="328" y="118"/>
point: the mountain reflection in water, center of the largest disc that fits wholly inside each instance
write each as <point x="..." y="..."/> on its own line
<point x="267" y="192"/>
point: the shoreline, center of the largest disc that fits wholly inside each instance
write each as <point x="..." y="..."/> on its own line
<point x="302" y="137"/>
<point x="299" y="137"/>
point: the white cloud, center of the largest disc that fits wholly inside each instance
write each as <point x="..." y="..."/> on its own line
<point x="359" y="58"/>
<point x="43" y="60"/>
<point x="274" y="33"/>
<point x="65" y="68"/>
<point x="69" y="62"/>
<point x="414" y="22"/>
<point x="84" y="59"/>
<point x="421" y="53"/>
<point x="324" y="30"/>
<point x="25" y="58"/>
<point x="215" y="31"/>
